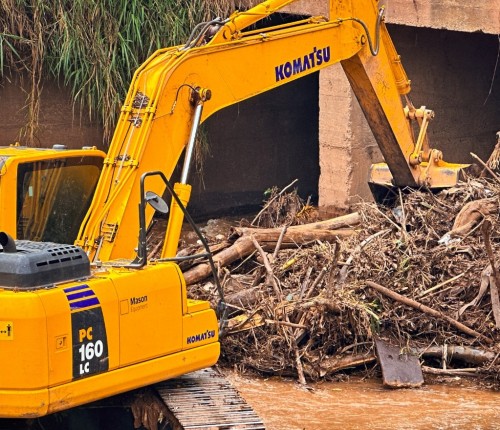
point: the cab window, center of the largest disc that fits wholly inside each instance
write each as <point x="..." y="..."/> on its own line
<point x="53" y="196"/>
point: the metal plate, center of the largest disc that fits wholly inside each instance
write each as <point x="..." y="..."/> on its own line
<point x="400" y="369"/>
<point x="205" y="399"/>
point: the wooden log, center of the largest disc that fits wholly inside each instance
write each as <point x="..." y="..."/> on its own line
<point x="267" y="238"/>
<point x="495" y="278"/>
<point x="247" y="298"/>
<point x="462" y="353"/>
<point x="330" y="365"/>
<point x="451" y="372"/>
<point x="270" y="275"/>
<point x="419" y="306"/>
<point x="238" y="250"/>
<point x="343" y="222"/>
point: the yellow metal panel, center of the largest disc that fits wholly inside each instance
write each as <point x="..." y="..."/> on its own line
<point x="24" y="403"/>
<point x="150" y="311"/>
<point x="197" y="305"/>
<point x="200" y="328"/>
<point x="25" y="313"/>
<point x="64" y="356"/>
<point x="58" y="335"/>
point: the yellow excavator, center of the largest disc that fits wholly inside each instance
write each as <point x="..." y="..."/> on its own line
<point x="86" y="321"/>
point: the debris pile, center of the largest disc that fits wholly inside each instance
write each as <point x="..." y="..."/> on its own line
<point x="309" y="300"/>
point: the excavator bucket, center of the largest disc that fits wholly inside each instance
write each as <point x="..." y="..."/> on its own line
<point x="433" y="178"/>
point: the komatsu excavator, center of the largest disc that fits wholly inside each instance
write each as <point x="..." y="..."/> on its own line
<point x="82" y="322"/>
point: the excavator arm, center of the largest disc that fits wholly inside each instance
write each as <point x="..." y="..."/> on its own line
<point x="178" y="88"/>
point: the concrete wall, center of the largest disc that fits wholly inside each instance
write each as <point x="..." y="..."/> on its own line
<point x="449" y="51"/>
<point x="269" y="140"/>
<point x="59" y="122"/>
<point x="456" y="15"/>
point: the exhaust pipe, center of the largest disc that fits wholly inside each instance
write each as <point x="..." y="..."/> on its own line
<point x="8" y="244"/>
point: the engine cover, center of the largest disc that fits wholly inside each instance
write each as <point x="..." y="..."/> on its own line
<point x="41" y="264"/>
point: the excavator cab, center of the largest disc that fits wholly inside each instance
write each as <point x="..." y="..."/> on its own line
<point x="50" y="189"/>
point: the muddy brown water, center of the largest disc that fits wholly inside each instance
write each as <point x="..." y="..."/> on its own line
<point x="357" y="404"/>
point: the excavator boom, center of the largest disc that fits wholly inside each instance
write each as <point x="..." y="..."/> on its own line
<point x="178" y="88"/>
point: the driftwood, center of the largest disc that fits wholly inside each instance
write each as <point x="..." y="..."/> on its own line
<point x="237" y="251"/>
<point x="451" y="372"/>
<point x="495" y="278"/>
<point x="297" y="302"/>
<point x="342" y="222"/>
<point x="416" y="305"/>
<point x="245" y="298"/>
<point x="491" y="163"/>
<point x="458" y="352"/>
<point x="357" y="250"/>
<point x="328" y="230"/>
<point x="485" y="282"/>
<point x="335" y="364"/>
<point x="289" y="332"/>
<point x="271" y="200"/>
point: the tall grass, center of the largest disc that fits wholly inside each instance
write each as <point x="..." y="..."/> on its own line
<point x="91" y="46"/>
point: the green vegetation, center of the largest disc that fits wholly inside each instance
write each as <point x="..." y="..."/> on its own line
<point x="91" y="46"/>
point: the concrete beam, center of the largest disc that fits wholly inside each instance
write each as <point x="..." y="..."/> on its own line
<point x="457" y="15"/>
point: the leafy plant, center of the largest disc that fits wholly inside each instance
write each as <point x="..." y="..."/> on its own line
<point x="91" y="46"/>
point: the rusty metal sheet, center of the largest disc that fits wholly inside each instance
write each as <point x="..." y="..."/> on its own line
<point x="400" y="368"/>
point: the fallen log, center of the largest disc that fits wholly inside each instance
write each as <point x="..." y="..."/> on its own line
<point x="267" y="238"/>
<point x="425" y="309"/>
<point x="495" y="278"/>
<point x="247" y="298"/>
<point x="329" y="366"/>
<point x="462" y="353"/>
<point x="342" y="222"/>
<point x="450" y="372"/>
<point x="238" y="250"/>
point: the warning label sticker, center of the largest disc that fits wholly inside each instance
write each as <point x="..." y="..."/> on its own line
<point x="6" y="330"/>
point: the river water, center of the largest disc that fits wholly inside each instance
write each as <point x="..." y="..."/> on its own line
<point x="357" y="404"/>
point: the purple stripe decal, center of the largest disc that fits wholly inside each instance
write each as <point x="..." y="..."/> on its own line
<point x="78" y="287"/>
<point x="80" y="295"/>
<point x="84" y="303"/>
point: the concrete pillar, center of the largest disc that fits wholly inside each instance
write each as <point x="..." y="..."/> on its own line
<point x="347" y="147"/>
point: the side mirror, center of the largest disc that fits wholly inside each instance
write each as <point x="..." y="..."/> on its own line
<point x="156" y="202"/>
